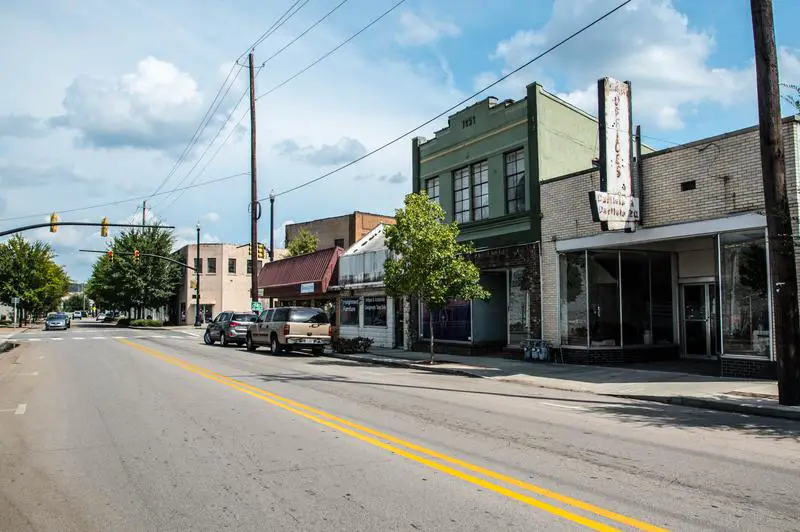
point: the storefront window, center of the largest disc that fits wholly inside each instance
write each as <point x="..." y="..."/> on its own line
<point x="453" y="322"/>
<point x="375" y="311"/>
<point x="573" y="299"/>
<point x="603" y="275"/>
<point x="349" y="312"/>
<point x="517" y="306"/>
<point x="661" y="293"/>
<point x="636" y="326"/>
<point x="745" y="303"/>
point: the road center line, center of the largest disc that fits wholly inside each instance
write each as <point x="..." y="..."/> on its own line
<point x="34" y="339"/>
<point x="56" y="339"/>
<point x="342" y="425"/>
<point x="20" y="409"/>
<point x="78" y="338"/>
<point x="562" y="406"/>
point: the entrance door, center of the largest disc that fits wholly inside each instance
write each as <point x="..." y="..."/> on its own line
<point x="699" y="317"/>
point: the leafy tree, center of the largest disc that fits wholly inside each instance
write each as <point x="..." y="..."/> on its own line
<point x="27" y="271"/>
<point x="304" y="242"/>
<point x="126" y="283"/>
<point x="74" y="302"/>
<point x="426" y="260"/>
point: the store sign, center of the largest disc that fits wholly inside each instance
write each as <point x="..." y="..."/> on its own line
<point x="614" y="204"/>
<point x="307" y="288"/>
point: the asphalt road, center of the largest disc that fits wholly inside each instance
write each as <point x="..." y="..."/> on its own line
<point x="153" y="430"/>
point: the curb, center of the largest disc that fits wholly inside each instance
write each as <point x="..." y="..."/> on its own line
<point x="693" y="402"/>
<point x="403" y="363"/>
<point x="7" y="345"/>
<point x="713" y="404"/>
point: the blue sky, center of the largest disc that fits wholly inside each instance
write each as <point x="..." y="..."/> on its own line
<point x="99" y="99"/>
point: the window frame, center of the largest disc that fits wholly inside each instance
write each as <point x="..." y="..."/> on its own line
<point x="436" y="186"/>
<point x="471" y="185"/>
<point x="232" y="262"/>
<point x="523" y="171"/>
<point x="479" y="184"/>
<point x="211" y="261"/>
<point x="458" y="174"/>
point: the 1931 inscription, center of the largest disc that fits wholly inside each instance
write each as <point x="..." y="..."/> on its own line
<point x="467" y="122"/>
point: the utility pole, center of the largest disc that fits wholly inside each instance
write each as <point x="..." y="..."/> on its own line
<point x="144" y="212"/>
<point x="271" y="226"/>
<point x="779" y="221"/>
<point x="254" y="205"/>
<point x="197" y="320"/>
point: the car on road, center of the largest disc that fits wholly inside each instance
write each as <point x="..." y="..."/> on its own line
<point x="288" y="328"/>
<point x="229" y="327"/>
<point x="77" y="315"/>
<point x="59" y="320"/>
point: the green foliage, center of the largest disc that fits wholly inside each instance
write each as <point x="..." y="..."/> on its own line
<point x="125" y="283"/>
<point x="27" y="271"/>
<point x="793" y="99"/>
<point x="146" y="323"/>
<point x="304" y="242"/>
<point x="124" y="322"/>
<point x="73" y="303"/>
<point x="359" y="344"/>
<point x="427" y="261"/>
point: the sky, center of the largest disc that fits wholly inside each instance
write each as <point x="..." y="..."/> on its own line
<point x="101" y="101"/>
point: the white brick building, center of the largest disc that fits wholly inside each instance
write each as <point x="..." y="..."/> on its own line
<point x="690" y="282"/>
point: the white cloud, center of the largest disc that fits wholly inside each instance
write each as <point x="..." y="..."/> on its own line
<point x="211" y="217"/>
<point x="416" y="30"/>
<point x="346" y="149"/>
<point x="630" y="44"/>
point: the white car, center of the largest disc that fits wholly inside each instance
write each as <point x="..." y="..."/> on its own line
<point x="77" y="315"/>
<point x="101" y="316"/>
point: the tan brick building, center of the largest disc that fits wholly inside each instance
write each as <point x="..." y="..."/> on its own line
<point x="339" y="231"/>
<point x="691" y="281"/>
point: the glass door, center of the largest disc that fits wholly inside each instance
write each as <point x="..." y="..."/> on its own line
<point x="698" y="302"/>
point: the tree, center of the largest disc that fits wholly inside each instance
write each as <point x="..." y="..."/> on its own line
<point x="27" y="271"/>
<point x="304" y="242"/>
<point x="426" y="260"/>
<point x="74" y="302"/>
<point x="793" y="99"/>
<point x="127" y="283"/>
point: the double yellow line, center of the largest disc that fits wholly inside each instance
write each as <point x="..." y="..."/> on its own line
<point x="404" y="448"/>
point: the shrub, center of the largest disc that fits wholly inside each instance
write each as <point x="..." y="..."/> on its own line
<point x="124" y="322"/>
<point x="359" y="344"/>
<point x="146" y="323"/>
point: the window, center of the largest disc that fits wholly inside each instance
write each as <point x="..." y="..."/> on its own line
<point x="636" y="319"/>
<point x="461" y="194"/>
<point x="281" y="314"/>
<point x="480" y="190"/>
<point x="212" y="265"/>
<point x="574" y="299"/>
<point x="604" y="319"/>
<point x="349" y="311"/>
<point x="244" y="318"/>
<point x="453" y="322"/>
<point x="198" y="265"/>
<point x="375" y="311"/>
<point x="231" y="265"/>
<point x="339" y="242"/>
<point x="265" y="316"/>
<point x="432" y="188"/>
<point x="308" y="315"/>
<point x="515" y="181"/>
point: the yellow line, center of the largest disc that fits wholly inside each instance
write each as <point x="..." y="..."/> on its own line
<point x="297" y="408"/>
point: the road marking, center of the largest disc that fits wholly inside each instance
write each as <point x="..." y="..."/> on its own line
<point x="78" y="338"/>
<point x="20" y="409"/>
<point x="562" y="406"/>
<point x="341" y="425"/>
<point x="31" y="374"/>
<point x="98" y="337"/>
<point x="34" y="339"/>
<point x="56" y="339"/>
<point x="118" y="337"/>
<point x="156" y="336"/>
<point x="41" y="357"/>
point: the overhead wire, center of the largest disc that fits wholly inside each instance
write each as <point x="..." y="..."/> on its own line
<point x="457" y="105"/>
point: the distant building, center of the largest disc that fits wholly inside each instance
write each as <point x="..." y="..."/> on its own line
<point x="339" y="231"/>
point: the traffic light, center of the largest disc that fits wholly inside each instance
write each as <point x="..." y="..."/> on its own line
<point x="249" y="250"/>
<point x="110" y="255"/>
<point x="262" y="251"/>
<point x="53" y="222"/>
<point x="136" y="256"/>
<point x="104" y="227"/>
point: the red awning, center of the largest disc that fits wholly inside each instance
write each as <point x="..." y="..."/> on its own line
<point x="294" y="276"/>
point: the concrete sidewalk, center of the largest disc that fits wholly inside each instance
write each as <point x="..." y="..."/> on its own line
<point x="716" y="393"/>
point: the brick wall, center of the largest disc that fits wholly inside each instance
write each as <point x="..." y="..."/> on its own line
<point x="726" y="171"/>
<point x="366" y="222"/>
<point x="350" y="228"/>
<point x="747" y="368"/>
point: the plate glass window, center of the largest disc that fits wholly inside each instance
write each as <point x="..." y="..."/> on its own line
<point x="515" y="181"/>
<point x="375" y="311"/>
<point x="480" y="190"/>
<point x="349" y="311"/>
<point x="461" y="194"/>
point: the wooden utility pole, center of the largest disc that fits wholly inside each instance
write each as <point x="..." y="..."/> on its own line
<point x="779" y="221"/>
<point x="144" y="212"/>
<point x="254" y="205"/>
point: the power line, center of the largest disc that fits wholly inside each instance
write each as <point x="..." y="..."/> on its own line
<point x="314" y="25"/>
<point x="126" y="200"/>
<point x="460" y="103"/>
<point x="275" y="26"/>
<point x="329" y="53"/>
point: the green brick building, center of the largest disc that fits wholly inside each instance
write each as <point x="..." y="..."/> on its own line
<point x="484" y="169"/>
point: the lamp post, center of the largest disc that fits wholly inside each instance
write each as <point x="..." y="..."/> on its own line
<point x="197" y="319"/>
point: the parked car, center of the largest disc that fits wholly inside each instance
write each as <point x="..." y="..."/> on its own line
<point x="229" y="327"/>
<point x="58" y="320"/>
<point x="101" y="316"/>
<point x="288" y="328"/>
<point x="77" y="315"/>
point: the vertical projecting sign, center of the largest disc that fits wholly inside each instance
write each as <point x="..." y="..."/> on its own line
<point x="614" y="205"/>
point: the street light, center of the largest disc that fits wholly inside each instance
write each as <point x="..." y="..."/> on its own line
<point x="197" y="319"/>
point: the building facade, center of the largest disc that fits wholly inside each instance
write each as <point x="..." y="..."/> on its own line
<point x="690" y="281"/>
<point x="339" y="231"/>
<point x="484" y="169"/>
<point x="224" y="280"/>
<point x="364" y="309"/>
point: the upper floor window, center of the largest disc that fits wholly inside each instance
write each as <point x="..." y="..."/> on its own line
<point x="339" y="242"/>
<point x="461" y="194"/>
<point x="231" y="265"/>
<point x="212" y="265"/>
<point x="471" y="192"/>
<point x="432" y="188"/>
<point x="515" y="181"/>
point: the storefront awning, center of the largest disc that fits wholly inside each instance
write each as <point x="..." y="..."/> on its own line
<point x="309" y="274"/>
